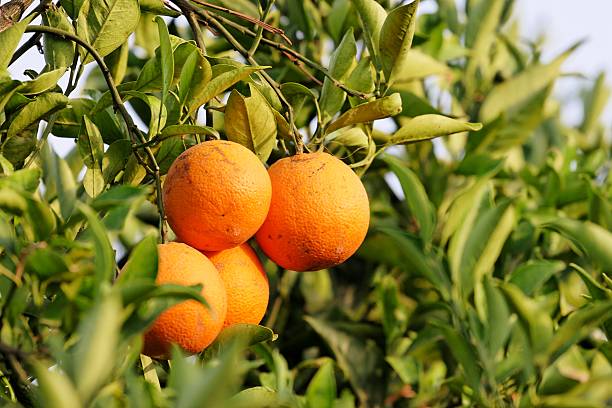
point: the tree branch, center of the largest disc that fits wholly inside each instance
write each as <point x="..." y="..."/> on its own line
<point x="11" y="12"/>
<point x="292" y="54"/>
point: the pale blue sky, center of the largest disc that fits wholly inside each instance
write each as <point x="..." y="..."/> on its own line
<point x="562" y="22"/>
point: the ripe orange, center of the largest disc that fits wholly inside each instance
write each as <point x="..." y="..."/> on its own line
<point x="216" y="195"/>
<point x="189" y="324"/>
<point x="246" y="284"/>
<point x="319" y="213"/>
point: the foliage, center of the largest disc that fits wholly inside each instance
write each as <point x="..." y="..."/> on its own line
<point x="484" y="282"/>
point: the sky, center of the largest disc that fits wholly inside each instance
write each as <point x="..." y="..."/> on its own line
<point x="562" y="22"/>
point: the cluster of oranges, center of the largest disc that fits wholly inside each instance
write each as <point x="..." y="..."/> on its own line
<point x="307" y="212"/>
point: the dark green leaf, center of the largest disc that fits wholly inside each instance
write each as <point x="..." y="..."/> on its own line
<point x="396" y="39"/>
<point x="166" y="57"/>
<point x="416" y="197"/>
<point x="530" y="276"/>
<point x="591" y="238"/>
<point x="340" y="65"/>
<point x="220" y="83"/>
<point x="321" y="391"/>
<point x="142" y="263"/>
<point x="359" y="358"/>
<point x="250" y="122"/>
<point x="104" y="257"/>
<point x="40" y="108"/>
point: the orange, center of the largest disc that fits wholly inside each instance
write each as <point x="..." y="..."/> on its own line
<point x="216" y="195"/>
<point x="189" y="324"/>
<point x="246" y="284"/>
<point x="319" y="214"/>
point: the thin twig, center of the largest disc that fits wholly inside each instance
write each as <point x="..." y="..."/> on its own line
<point x="195" y="27"/>
<point x="299" y="144"/>
<point x="270" y="28"/>
<point x="292" y="54"/>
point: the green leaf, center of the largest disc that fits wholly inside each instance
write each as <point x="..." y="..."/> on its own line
<point x="55" y="389"/>
<point x="594" y="240"/>
<point x="595" y="102"/>
<point x="117" y="62"/>
<point x="72" y="7"/>
<point x="396" y="39"/>
<point x="350" y="137"/>
<point x="530" y="277"/>
<point x="596" y="290"/>
<point x="475" y="247"/>
<point x="300" y="98"/>
<point x="321" y="391"/>
<point x="158" y="112"/>
<point x="498" y="317"/>
<point x="157" y="7"/>
<point x="418" y="65"/>
<point x="41" y="218"/>
<point x="160" y="298"/>
<point x="106" y="24"/>
<point x="166" y="57"/>
<point x="69" y="120"/>
<point x="464" y="353"/>
<point x="142" y="263"/>
<point x="426" y="127"/>
<point x="9" y="40"/>
<point x="416" y="197"/>
<point x="90" y="145"/>
<point x="245" y="334"/>
<point x="45" y="263"/>
<point x="372" y="16"/>
<point x="187" y="74"/>
<point x="341" y="63"/>
<point x="43" y="82"/>
<point x="12" y="202"/>
<point x="121" y="194"/>
<point x="520" y="88"/>
<point x="93" y="356"/>
<point x="221" y="82"/>
<point x="394" y="314"/>
<point x="536" y="322"/>
<point x="115" y="159"/>
<point x="504" y="221"/>
<point x="7" y="90"/>
<point x="358" y="358"/>
<point x="24" y="179"/>
<point x="40" y="108"/>
<point x="65" y="187"/>
<point x="368" y="112"/>
<point x="104" y="257"/>
<point x="579" y="325"/>
<point x="250" y="122"/>
<point x="362" y="79"/>
<point x="184" y="130"/>
<point x="258" y="397"/>
<point x="59" y="52"/>
<point x="413" y="258"/>
<point x="481" y="28"/>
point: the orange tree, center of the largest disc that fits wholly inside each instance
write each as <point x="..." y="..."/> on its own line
<point x="482" y="280"/>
